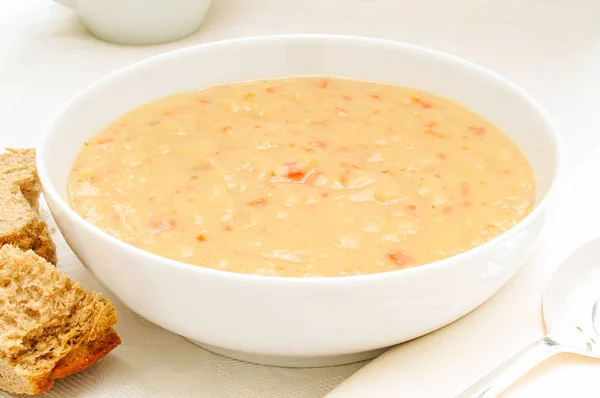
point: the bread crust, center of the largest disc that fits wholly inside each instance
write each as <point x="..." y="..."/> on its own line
<point x="77" y="360"/>
<point x="25" y="240"/>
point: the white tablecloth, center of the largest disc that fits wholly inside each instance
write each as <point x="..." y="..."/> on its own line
<point x="549" y="47"/>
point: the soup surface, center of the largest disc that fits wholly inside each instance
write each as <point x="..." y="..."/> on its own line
<point x="302" y="177"/>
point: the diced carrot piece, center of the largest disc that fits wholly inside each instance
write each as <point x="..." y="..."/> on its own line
<point x="480" y="131"/>
<point x="294" y="172"/>
<point x="320" y="122"/>
<point x="270" y="90"/>
<point x="202" y="166"/>
<point x="200" y="238"/>
<point x="347" y="97"/>
<point x="323" y="83"/>
<point x="157" y="226"/>
<point x="441" y="156"/>
<point x="227" y="227"/>
<point x="104" y="140"/>
<point x="258" y="202"/>
<point x="374" y="96"/>
<point x="324" y="195"/>
<point x="411" y="208"/>
<point x="448" y="210"/>
<point x="204" y="101"/>
<point x="421" y="103"/>
<point x="400" y="258"/>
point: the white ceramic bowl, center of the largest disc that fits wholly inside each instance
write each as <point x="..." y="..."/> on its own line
<point x="288" y="321"/>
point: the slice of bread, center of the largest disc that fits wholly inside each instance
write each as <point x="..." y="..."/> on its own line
<point x="18" y="167"/>
<point x="20" y="189"/>
<point x="50" y="327"/>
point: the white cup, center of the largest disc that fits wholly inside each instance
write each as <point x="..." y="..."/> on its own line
<point x="140" y="21"/>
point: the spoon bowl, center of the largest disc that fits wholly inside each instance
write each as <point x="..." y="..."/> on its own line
<point x="571" y="309"/>
<point x="571" y="302"/>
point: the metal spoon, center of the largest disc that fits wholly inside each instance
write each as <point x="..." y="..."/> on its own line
<point x="572" y="317"/>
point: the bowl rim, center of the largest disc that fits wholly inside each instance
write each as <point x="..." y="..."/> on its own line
<point x="50" y="190"/>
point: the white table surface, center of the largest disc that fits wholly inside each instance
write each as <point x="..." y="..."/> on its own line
<point x="549" y="47"/>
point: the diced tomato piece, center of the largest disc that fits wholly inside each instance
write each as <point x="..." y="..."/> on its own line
<point x="400" y="258"/>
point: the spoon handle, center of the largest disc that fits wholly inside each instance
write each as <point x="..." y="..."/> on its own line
<point x="504" y="375"/>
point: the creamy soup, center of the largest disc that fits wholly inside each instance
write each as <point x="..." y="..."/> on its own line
<point x="302" y="177"/>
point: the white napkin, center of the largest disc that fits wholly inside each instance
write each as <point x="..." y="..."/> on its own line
<point x="449" y="360"/>
<point x="152" y="362"/>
